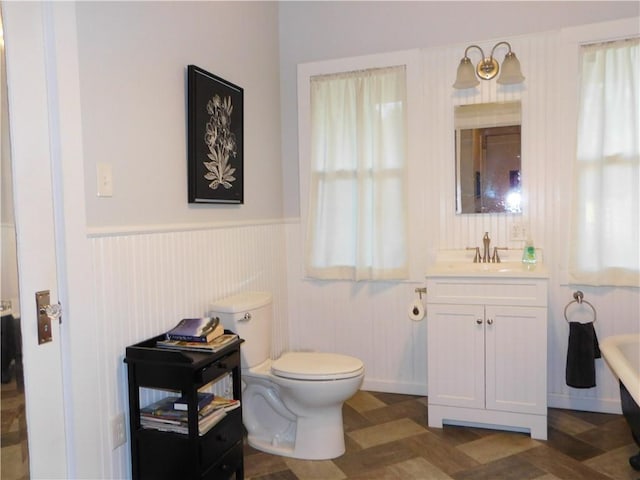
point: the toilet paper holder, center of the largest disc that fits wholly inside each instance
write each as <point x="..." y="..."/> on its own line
<point x="416" y="307"/>
<point x="420" y="291"/>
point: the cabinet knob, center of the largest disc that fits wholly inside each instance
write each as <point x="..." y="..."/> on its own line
<point x="490" y="321"/>
<point x="479" y="321"/>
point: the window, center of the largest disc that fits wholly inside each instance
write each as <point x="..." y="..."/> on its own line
<point x="357" y="210"/>
<point x="606" y="212"/>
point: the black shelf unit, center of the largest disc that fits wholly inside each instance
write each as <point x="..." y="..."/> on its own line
<point x="156" y="455"/>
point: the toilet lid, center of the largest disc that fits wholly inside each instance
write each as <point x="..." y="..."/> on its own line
<point x="316" y="366"/>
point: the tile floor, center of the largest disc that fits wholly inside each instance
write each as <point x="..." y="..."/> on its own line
<point x="387" y="438"/>
<point x="14" y="460"/>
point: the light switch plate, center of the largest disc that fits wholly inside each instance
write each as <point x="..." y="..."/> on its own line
<point x="104" y="179"/>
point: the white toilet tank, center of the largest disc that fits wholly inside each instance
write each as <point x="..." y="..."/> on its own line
<point x="248" y="314"/>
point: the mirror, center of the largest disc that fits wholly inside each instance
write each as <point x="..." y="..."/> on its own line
<point x="488" y="166"/>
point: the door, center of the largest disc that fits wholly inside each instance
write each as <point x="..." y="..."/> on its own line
<point x="516" y="359"/>
<point x="32" y="141"/>
<point x="455" y="345"/>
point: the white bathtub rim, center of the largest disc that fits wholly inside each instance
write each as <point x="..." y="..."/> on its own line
<point x="621" y="366"/>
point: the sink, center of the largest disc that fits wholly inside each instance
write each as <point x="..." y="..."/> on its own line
<point x="460" y="263"/>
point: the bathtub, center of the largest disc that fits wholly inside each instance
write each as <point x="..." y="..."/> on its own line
<point x="622" y="354"/>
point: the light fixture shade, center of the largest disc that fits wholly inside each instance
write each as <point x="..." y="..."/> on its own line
<point x="466" y="76"/>
<point x="510" y="72"/>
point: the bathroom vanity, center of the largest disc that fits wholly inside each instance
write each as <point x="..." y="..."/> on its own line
<point x="487" y="345"/>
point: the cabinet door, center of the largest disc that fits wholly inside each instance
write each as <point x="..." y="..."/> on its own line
<point x="455" y="349"/>
<point x="516" y="359"/>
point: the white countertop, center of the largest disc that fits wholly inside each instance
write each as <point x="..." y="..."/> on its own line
<point x="459" y="263"/>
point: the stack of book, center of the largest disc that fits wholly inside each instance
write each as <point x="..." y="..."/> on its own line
<point x="197" y="334"/>
<point x="170" y="414"/>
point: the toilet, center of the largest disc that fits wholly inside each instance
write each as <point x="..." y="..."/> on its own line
<point x="291" y="406"/>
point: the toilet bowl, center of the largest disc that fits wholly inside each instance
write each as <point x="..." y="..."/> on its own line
<point x="291" y="406"/>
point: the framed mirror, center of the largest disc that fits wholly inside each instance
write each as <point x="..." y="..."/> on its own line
<point x="488" y="163"/>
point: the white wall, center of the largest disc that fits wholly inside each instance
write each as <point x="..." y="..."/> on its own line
<point x="369" y="320"/>
<point x="145" y="258"/>
<point x="312" y="31"/>
<point x="133" y="58"/>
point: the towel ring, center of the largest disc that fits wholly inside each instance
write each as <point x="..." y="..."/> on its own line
<point x="578" y="297"/>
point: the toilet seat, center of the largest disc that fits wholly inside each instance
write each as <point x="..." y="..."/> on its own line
<point x="316" y="366"/>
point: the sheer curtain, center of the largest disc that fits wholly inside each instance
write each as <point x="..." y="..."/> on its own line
<point x="606" y="211"/>
<point x="357" y="219"/>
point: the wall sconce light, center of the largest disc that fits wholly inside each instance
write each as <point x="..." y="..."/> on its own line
<point x="488" y="68"/>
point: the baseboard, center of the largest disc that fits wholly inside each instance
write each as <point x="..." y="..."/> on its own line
<point x="554" y="400"/>
<point x="405" y="388"/>
<point x="565" y="402"/>
<point x="585" y="404"/>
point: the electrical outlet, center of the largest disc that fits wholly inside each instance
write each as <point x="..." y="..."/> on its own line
<point x="518" y="232"/>
<point x="118" y="431"/>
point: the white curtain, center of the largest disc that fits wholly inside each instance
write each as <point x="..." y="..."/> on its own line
<point x="606" y="210"/>
<point x="357" y="218"/>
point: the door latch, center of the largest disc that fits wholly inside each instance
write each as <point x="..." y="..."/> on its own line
<point x="46" y="313"/>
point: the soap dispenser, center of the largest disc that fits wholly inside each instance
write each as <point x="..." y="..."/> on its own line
<point x="529" y="253"/>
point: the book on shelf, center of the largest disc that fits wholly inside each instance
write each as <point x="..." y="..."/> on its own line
<point x="208" y="421"/>
<point x="201" y="330"/>
<point x="161" y="415"/>
<point x="222" y="403"/>
<point x="213" y="346"/>
<point x="204" y="399"/>
<point x="204" y="424"/>
<point x="162" y="410"/>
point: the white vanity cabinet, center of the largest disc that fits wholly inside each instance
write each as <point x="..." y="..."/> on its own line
<point x="487" y="352"/>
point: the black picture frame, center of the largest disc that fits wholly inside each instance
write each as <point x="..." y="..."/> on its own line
<point x="215" y="138"/>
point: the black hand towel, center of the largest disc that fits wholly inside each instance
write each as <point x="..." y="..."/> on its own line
<point x="582" y="351"/>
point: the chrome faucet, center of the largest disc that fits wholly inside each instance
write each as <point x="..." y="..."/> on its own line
<point x="486" y="241"/>
<point x="486" y="256"/>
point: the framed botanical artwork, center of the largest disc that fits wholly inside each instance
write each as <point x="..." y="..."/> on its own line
<point x="215" y="147"/>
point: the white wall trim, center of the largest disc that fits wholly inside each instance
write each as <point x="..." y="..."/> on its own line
<point x="125" y="230"/>
<point x="602" y="405"/>
<point x="416" y="150"/>
<point x="405" y="388"/>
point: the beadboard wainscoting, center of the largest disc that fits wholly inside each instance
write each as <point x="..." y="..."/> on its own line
<point x="618" y="312"/>
<point x="369" y="319"/>
<point x="146" y="282"/>
<point x="539" y="168"/>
